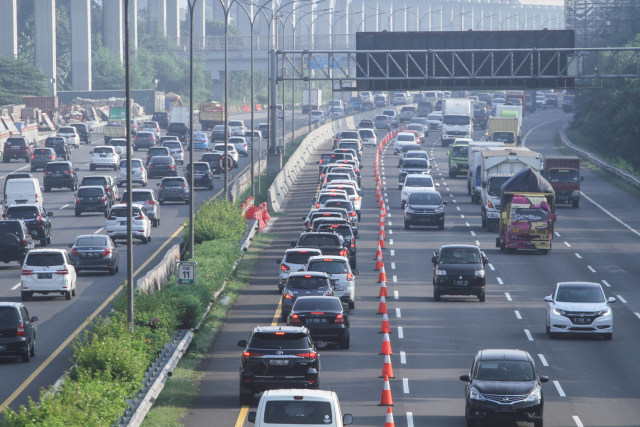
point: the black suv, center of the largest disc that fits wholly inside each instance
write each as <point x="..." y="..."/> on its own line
<point x="344" y="229"/>
<point x="277" y="357"/>
<point x="17" y="333"/>
<point x="424" y="208"/>
<point x="59" y="145"/>
<point x="60" y="175"/>
<point x="15" y="240"/>
<point x="328" y="243"/>
<point x="304" y="283"/>
<point x="83" y="131"/>
<point x="180" y="130"/>
<point x="92" y="198"/>
<point x="16" y="147"/>
<point x="203" y="176"/>
<point x="503" y="385"/>
<point x="36" y="219"/>
<point x="212" y="159"/>
<point x="105" y="181"/>
<point x="162" y="118"/>
<point x="40" y="158"/>
<point x="459" y="270"/>
<point x="410" y="166"/>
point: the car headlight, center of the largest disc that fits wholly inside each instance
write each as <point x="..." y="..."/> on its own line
<point x="479" y="273"/>
<point x="605" y="312"/>
<point x="575" y="193"/>
<point x="475" y="394"/>
<point x="558" y="311"/>
<point x="439" y="209"/>
<point x="441" y="272"/>
<point x="535" y="395"/>
<point x="408" y="209"/>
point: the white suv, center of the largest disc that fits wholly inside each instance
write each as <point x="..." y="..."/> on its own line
<point x="138" y="173"/>
<point x="104" y="156"/>
<point x="343" y="279"/>
<point x="237" y="127"/>
<point x="176" y="150"/>
<point x="117" y="222"/>
<point x="70" y="134"/>
<point x="47" y="271"/>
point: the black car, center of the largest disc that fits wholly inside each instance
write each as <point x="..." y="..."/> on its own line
<point x="15" y="240"/>
<point x="344" y="229"/>
<point x="412" y="165"/>
<point x="324" y="212"/>
<point x="203" y="176"/>
<point x="174" y="189"/>
<point x="59" y="145"/>
<point x="264" y="130"/>
<point x="156" y="151"/>
<point x="304" y="283"/>
<point x="503" y="385"/>
<point x="161" y="166"/>
<point x="424" y="208"/>
<point x="162" y="118"/>
<point x="180" y="130"/>
<point x="16" y="147"/>
<point x="92" y="198"/>
<point x="17" y="333"/>
<point x="212" y="159"/>
<point x="36" y="219"/>
<point x="95" y="252"/>
<point x="143" y="139"/>
<point x="105" y="181"/>
<point x="60" y="175"/>
<point x="40" y="158"/>
<point x="324" y="316"/>
<point x="459" y="270"/>
<point x="277" y="357"/>
<point x="328" y="243"/>
<point x="83" y="131"/>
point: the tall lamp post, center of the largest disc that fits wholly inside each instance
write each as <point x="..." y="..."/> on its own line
<point x="127" y="97"/>
<point x="192" y="245"/>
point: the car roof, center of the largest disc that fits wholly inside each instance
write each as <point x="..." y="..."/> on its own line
<point x="91" y="186"/>
<point x="460" y="246"/>
<point x="504" y="354"/>
<point x="333" y="257"/>
<point x="301" y="249"/>
<point x="308" y="273"/>
<point x="124" y="205"/>
<point x="292" y="392"/>
<point x="274" y="329"/>
<point x="585" y="284"/>
<point x="48" y="250"/>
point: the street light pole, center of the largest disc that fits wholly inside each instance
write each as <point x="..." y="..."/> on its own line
<point x="192" y="240"/>
<point x="127" y="97"/>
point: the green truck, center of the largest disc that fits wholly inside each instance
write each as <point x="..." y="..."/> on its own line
<point x="459" y="157"/>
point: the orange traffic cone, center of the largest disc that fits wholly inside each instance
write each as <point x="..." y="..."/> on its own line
<point x="388" y="422"/>
<point x="381" y="241"/>
<point x="382" y="233"/>
<point x="383" y="290"/>
<point x="380" y="202"/>
<point x="386" y="345"/>
<point x="385" y="399"/>
<point x="383" y="209"/>
<point x="387" y="369"/>
<point x="382" y="277"/>
<point x="378" y="252"/>
<point x="379" y="263"/>
<point x="384" y="327"/>
<point x="382" y="307"/>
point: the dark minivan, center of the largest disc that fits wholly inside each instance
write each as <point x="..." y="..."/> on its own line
<point x="459" y="270"/>
<point x="17" y="333"/>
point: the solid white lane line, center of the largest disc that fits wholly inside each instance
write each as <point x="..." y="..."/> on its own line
<point x="578" y="255"/>
<point x="491" y="267"/>
<point x="16" y="286"/>
<point x="506" y="294"/>
<point x="477" y="242"/>
<point x="559" y="388"/>
<point x="591" y="269"/>
<point x="98" y="230"/>
<point x="63" y="206"/>
<point x="567" y="243"/>
<point x="624" y="301"/>
<point x="403" y="358"/>
<point x="458" y="207"/>
<point x="393" y="265"/>
<point x="556" y="233"/>
<point x="499" y="280"/>
<point x="409" y="419"/>
<point x="398" y="314"/>
<point x="391" y="241"/>
<point x="392" y="252"/>
<point x="400" y="332"/>
<point x="395" y="279"/>
<point x="528" y="334"/>
<point x="576" y="419"/>
<point x="396" y="295"/>
<point x="604" y="282"/>
<point x="405" y="385"/>
<point x="518" y="315"/>
<point x="543" y="360"/>
<point x="634" y="231"/>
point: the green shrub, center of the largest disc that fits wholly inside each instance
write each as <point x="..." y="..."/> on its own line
<point x="217" y="219"/>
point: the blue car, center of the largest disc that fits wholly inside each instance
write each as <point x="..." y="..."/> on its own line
<point x="200" y="141"/>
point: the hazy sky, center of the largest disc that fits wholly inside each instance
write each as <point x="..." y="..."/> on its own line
<point x="544" y="2"/>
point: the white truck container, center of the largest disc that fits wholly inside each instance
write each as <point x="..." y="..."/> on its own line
<point x="496" y="167"/>
<point x="296" y="407"/>
<point x="179" y="115"/>
<point x="457" y="119"/>
<point x="473" y="173"/>
<point x="311" y="98"/>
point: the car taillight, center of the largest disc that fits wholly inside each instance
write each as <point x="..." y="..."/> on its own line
<point x="47" y="172"/>
<point x="353" y="213"/>
<point x="26" y="272"/>
<point x="172" y="167"/>
<point x="104" y="198"/>
<point x="284" y="267"/>
<point x="20" y="330"/>
<point x="311" y="355"/>
<point x="250" y="354"/>
<point x="184" y="185"/>
<point x="33" y="157"/>
<point x="288" y="296"/>
<point x="39" y="220"/>
<point x="139" y="217"/>
<point x="62" y="272"/>
<point x="317" y="204"/>
<point x="111" y="217"/>
<point x="75" y="252"/>
<point x="24" y="242"/>
<point x="179" y="151"/>
<point x="353" y="245"/>
<point x="106" y="252"/>
<point x="150" y="202"/>
<point x="339" y="319"/>
<point x="52" y="157"/>
<point x="349" y="277"/>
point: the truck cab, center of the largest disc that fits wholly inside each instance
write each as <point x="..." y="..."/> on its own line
<point x="459" y="157"/>
<point x="457" y="120"/>
<point x="563" y="173"/>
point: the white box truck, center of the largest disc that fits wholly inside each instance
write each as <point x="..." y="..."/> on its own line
<point x="315" y="96"/>
<point x="496" y="167"/>
<point x="473" y="173"/>
<point x="457" y="119"/>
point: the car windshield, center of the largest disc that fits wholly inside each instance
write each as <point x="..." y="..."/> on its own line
<point x="299" y="257"/>
<point x="505" y="370"/>
<point x="456" y="120"/>
<point x="172" y="182"/>
<point x="91" y="241"/>
<point x="579" y="294"/>
<point x="317" y="304"/>
<point x="459" y="256"/>
<point x="22" y="212"/>
<point x="425" y="199"/>
<point x="460" y="151"/>
<point x="90" y="192"/>
<point x="414" y="163"/>
<point x="307" y="282"/>
<point x="423" y="181"/>
<point x="42" y="259"/>
<point x="495" y="184"/>
<point x="94" y="181"/>
<point x="298" y="412"/>
<point x="273" y="341"/>
<point x="563" y="175"/>
<point x="529" y="214"/>
<point x="331" y="267"/>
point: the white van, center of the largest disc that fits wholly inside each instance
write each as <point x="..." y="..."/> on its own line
<point x="295" y="407"/>
<point x="22" y="190"/>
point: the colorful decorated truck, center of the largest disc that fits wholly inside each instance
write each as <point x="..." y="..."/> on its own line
<point x="526" y="213"/>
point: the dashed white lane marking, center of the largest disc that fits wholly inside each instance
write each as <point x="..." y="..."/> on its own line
<point x="458" y="207"/>
<point x="477" y="242"/>
<point x="624" y="301"/>
<point x="637" y="314"/>
<point x="591" y="269"/>
<point x="64" y="206"/>
<point x="634" y="231"/>
<point x="16" y="286"/>
<point x="454" y="201"/>
<point x="467" y="224"/>
<point x="396" y="295"/>
<point x="98" y="230"/>
<point x="389" y="215"/>
<point x="392" y="252"/>
<point x="556" y="233"/>
<point x="506" y="294"/>
<point x="543" y="359"/>
<point x="403" y="357"/>
<point x="385" y="188"/>
<point x="409" y="419"/>
<point x="604" y="282"/>
<point x="385" y="195"/>
<point x="450" y="195"/>
<point x="390" y="231"/>
<point x="473" y="233"/>
<point x="400" y="332"/>
<point x="559" y="388"/>
<point x="393" y="265"/>
<point x="448" y="190"/>
<point x="462" y="216"/>
<point x="567" y="243"/>
<point x="391" y="241"/>
<point x="390" y="223"/>
<point x="499" y="280"/>
<point x="491" y="267"/>
<point x="398" y="314"/>
<point x="395" y="279"/>
<point x="405" y="385"/>
<point x="386" y="201"/>
<point x="578" y="255"/>
<point x="528" y="334"/>
<point x="518" y="315"/>
<point x="576" y="419"/>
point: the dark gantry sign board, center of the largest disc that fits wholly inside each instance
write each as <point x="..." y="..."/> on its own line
<point x="470" y="61"/>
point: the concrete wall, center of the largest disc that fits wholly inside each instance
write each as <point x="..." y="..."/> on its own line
<point x="8" y="28"/>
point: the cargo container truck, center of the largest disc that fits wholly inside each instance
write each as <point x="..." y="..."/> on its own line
<point x="457" y="120"/>
<point x="563" y="173"/>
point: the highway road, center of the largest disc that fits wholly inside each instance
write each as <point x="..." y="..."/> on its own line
<point x="592" y="381"/>
<point x="60" y="320"/>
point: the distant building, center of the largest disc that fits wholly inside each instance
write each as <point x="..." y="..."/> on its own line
<point x="603" y="23"/>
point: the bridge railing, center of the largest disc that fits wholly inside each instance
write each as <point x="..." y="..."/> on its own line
<point x="261" y="43"/>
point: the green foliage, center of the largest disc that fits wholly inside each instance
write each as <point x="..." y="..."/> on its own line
<point x="18" y="77"/>
<point x="217" y="219"/>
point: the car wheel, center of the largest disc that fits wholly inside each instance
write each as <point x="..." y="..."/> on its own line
<point x="154" y="223"/>
<point x="576" y="204"/>
<point x="32" y="352"/>
<point x="112" y="271"/>
<point x="406" y="225"/>
<point x="452" y="174"/>
<point x="67" y="295"/>
<point x="481" y="297"/>
<point x="27" y="159"/>
<point x="149" y="239"/>
<point x="436" y="295"/>
<point x="484" y="221"/>
<point x="78" y="213"/>
<point x="470" y="422"/>
<point x="26" y="356"/>
<point x="43" y="241"/>
<point x="538" y="423"/>
<point x="608" y="336"/>
<point x="441" y="226"/>
<point x="161" y="202"/>
<point x="345" y="341"/>
<point x="92" y="167"/>
<point x="47" y="189"/>
<point x="33" y="169"/>
<point x="25" y="296"/>
<point x="5" y="160"/>
<point x="246" y="395"/>
<point x="73" y="292"/>
<point x="284" y="316"/>
<point x="49" y="238"/>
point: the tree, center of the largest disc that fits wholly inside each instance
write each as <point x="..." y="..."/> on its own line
<point x="19" y="77"/>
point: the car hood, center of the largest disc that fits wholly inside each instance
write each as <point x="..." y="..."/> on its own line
<point x="460" y="269"/>
<point x="413" y="170"/>
<point x="409" y="190"/>
<point x="580" y="306"/>
<point x="423" y="207"/>
<point x="504" y="387"/>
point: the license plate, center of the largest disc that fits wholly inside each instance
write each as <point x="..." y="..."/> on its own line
<point x="316" y="321"/>
<point x="505" y="408"/>
<point x="460" y="282"/>
<point x="44" y="275"/>
<point x="581" y="320"/>
<point x="278" y="362"/>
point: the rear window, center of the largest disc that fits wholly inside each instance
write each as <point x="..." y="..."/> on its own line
<point x="348" y="189"/>
<point x="138" y="196"/>
<point x="172" y="144"/>
<point x="158" y="150"/>
<point x="11" y="227"/>
<point x="366" y="133"/>
<point x="235" y="123"/>
<point x="106" y="150"/>
<point x="320" y="240"/>
<point x="299" y="257"/>
<point x="349" y="134"/>
<point x="210" y="157"/>
<point x="353" y="145"/>
<point x="121" y="212"/>
<point x="298" y="412"/>
<point x="424" y="181"/>
<point x="94" y="181"/>
<point x="162" y="159"/>
<point x="91" y="241"/>
<point x="331" y="267"/>
<point x="343" y="230"/>
<point x="69" y="129"/>
<point x="414" y="163"/>
<point x="22" y="212"/>
<point x="406" y="138"/>
<point x="311" y="282"/>
<point x="54" y="142"/>
<point x="324" y="197"/>
<point x="15" y="142"/>
<point x="135" y="163"/>
<point x="58" y="167"/>
<point x="175" y="182"/>
<point x="340" y="204"/>
<point x="317" y="304"/>
<point x="425" y="199"/>
<point x="287" y="341"/>
<point x="42" y="259"/>
<point x="42" y="152"/>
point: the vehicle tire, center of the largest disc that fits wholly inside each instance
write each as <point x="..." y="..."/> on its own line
<point x="106" y="214"/>
<point x="27" y="160"/>
<point x="482" y="297"/>
<point x="47" y="189"/>
<point x="32" y="351"/>
<point x="484" y="222"/>
<point x="246" y="395"/>
<point x="5" y="160"/>
<point x="451" y="174"/>
<point x="73" y="292"/>
<point x="538" y="423"/>
<point x="92" y="167"/>
<point x="78" y="213"/>
<point x="25" y="296"/>
<point x="149" y="239"/>
<point x="186" y="202"/>
<point x="345" y="341"/>
<point x="284" y="316"/>
<point x="576" y="204"/>
<point x="161" y="202"/>
<point x="471" y="423"/>
<point x="154" y="223"/>
<point x="67" y="295"/>
<point x="544" y="251"/>
<point x="26" y="356"/>
<point x="406" y="225"/>
<point x="49" y="238"/>
<point x="43" y="241"/>
<point x="436" y="295"/>
<point x="33" y="169"/>
<point x="112" y="271"/>
<point x="441" y="226"/>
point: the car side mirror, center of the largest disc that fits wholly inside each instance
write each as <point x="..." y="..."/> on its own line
<point x="34" y="318"/>
<point x="320" y="344"/>
<point x="434" y="259"/>
<point x="90" y="151"/>
<point x="444" y="202"/>
<point x="347" y="419"/>
<point x="251" y="417"/>
<point x="49" y="213"/>
<point x="548" y="298"/>
<point x="544" y="379"/>
<point x="465" y="378"/>
<point x="485" y="260"/>
<point x="157" y="184"/>
<point x="242" y="343"/>
<point x="76" y="169"/>
<point x="611" y="300"/>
